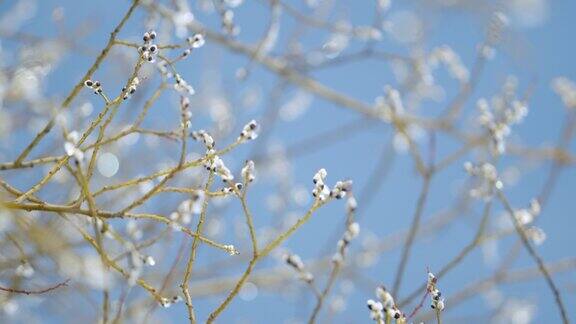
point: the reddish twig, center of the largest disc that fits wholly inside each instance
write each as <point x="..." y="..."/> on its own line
<point x="35" y="292"/>
<point x="421" y="304"/>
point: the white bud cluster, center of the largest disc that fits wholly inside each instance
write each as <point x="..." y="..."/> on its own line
<point x="104" y="228"/>
<point x="336" y="43"/>
<point x="566" y="89"/>
<point x="217" y="165"/>
<point x="195" y="41"/>
<point x="376" y="310"/>
<point x="249" y="132"/>
<point x="188" y="208"/>
<point x="182" y="86"/>
<point x="385" y="297"/>
<point x="394" y="99"/>
<point x="129" y="91"/>
<point x="379" y="310"/>
<point x="390" y="104"/>
<point x="498" y="131"/>
<point x="437" y="302"/>
<point x="498" y="22"/>
<point x="320" y="191"/>
<point x="499" y="120"/>
<point x="231" y="249"/>
<point x="294" y="261"/>
<point x="149" y="260"/>
<point x="162" y="67"/>
<point x="526" y="216"/>
<point x="167" y="302"/>
<point x="185" y="113"/>
<point x="149" y="50"/>
<point x="351" y="233"/>
<point x="24" y="270"/>
<point x="236" y="188"/>
<point x="96" y="86"/>
<point x="248" y="171"/>
<point x="341" y="188"/>
<point x="133" y="230"/>
<point x="71" y="147"/>
<point x="488" y="175"/>
<point x="203" y="136"/>
<point x="446" y="56"/>
<point x="536" y="235"/>
<point x="137" y="262"/>
<point x="351" y="204"/>
<point x="228" y="25"/>
<point x="388" y="305"/>
<point x="367" y="33"/>
<point x="484" y="170"/>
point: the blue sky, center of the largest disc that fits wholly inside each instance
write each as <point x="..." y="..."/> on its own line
<point x="537" y="53"/>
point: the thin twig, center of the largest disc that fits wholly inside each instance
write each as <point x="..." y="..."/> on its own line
<point x="35" y="292"/>
<point x="411" y="235"/>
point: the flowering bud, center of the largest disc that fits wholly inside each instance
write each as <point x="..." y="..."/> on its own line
<point x="25" y="270"/>
<point x="196" y="41"/>
<point x="231" y="250"/>
<point x="131" y="88"/>
<point x="149" y="260"/>
<point x="294" y="261"/>
<point x="351" y="204"/>
<point x="376" y="310"/>
<point x="94" y="85"/>
<point x="248" y="172"/>
<point x="182" y="86"/>
<point x="203" y="136"/>
<point x="249" y="132"/>
<point x="148" y="51"/>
